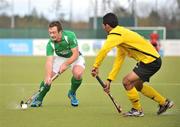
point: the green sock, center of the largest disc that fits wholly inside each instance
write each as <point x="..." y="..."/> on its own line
<point x="41" y="85"/>
<point x="43" y="90"/>
<point x="75" y="84"/>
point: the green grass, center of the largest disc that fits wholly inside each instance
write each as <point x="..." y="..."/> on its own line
<point x="20" y="77"/>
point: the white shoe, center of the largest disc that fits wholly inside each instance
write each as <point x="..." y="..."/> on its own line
<point x="134" y="112"/>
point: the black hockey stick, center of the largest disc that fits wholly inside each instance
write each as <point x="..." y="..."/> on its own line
<point x="29" y="100"/>
<point x="118" y="107"/>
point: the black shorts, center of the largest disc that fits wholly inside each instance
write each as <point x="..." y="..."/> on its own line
<point x="145" y="71"/>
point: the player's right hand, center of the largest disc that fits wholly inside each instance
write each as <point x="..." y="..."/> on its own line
<point x="107" y="85"/>
<point x="48" y="80"/>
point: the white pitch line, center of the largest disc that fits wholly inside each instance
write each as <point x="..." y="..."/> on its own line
<point x="87" y="84"/>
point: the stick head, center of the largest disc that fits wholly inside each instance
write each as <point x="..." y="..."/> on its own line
<point x="120" y="109"/>
<point x="21" y="103"/>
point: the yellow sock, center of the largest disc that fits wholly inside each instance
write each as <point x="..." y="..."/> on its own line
<point x="153" y="94"/>
<point x="134" y="98"/>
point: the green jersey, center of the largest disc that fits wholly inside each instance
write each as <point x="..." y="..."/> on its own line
<point x="63" y="48"/>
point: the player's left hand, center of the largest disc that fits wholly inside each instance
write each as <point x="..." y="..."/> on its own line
<point x="94" y="72"/>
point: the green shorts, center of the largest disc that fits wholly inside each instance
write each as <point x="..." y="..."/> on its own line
<point x="145" y="71"/>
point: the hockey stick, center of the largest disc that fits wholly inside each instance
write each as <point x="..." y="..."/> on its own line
<point x="118" y="107"/>
<point x="29" y="100"/>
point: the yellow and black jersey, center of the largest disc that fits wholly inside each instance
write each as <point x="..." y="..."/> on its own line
<point x="128" y="43"/>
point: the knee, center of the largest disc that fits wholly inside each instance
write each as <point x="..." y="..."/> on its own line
<point x="78" y="72"/>
<point x="126" y="83"/>
<point x="78" y="75"/>
<point x="138" y="87"/>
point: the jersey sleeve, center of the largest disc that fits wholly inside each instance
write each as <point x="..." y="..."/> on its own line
<point x="117" y="63"/>
<point x="49" y="49"/>
<point x="73" y="40"/>
<point x="111" y="42"/>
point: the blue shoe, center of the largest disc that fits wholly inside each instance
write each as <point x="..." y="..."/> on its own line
<point x="35" y="102"/>
<point x="74" y="100"/>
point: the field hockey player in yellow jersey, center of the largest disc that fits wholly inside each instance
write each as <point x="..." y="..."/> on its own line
<point x="131" y="44"/>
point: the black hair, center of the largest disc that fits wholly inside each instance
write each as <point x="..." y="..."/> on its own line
<point x="110" y="19"/>
<point x="57" y="24"/>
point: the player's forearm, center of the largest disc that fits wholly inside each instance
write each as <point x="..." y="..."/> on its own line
<point x="48" y="70"/>
<point x="116" y="68"/>
<point x="112" y="75"/>
<point x="48" y="67"/>
<point x="103" y="53"/>
<point x="100" y="57"/>
<point x="73" y="58"/>
<point x="117" y="65"/>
